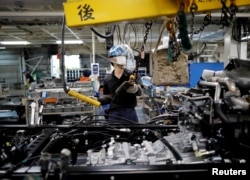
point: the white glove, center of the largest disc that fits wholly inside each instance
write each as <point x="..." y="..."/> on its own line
<point x="132" y="89"/>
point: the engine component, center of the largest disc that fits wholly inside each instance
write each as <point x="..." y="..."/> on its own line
<point x="209" y="127"/>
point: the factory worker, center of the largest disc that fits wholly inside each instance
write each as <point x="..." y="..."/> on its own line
<point x="30" y="82"/>
<point x="121" y="87"/>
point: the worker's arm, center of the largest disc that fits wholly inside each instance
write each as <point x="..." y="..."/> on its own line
<point x="105" y="99"/>
<point x="27" y="81"/>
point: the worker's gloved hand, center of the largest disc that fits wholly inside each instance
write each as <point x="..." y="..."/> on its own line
<point x="93" y="97"/>
<point x="132" y="89"/>
<point x="104" y="100"/>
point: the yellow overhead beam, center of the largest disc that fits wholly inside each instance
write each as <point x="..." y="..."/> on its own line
<point x="92" y="12"/>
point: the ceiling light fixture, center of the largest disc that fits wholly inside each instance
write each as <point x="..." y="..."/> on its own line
<point x="245" y="38"/>
<point x="14" y="42"/>
<point x="70" y="42"/>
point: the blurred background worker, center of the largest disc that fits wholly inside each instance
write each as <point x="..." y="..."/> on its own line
<point x="85" y="74"/>
<point x="83" y="77"/>
<point x="86" y="71"/>
<point x="30" y="82"/>
<point x="119" y="89"/>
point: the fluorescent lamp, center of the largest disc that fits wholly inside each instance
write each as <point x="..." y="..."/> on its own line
<point x="14" y="42"/>
<point x="245" y="38"/>
<point x="70" y="42"/>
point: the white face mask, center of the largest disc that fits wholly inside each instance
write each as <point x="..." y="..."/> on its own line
<point x="121" y="60"/>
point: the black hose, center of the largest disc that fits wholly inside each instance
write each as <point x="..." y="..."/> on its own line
<point x="163" y="117"/>
<point x="241" y="29"/>
<point x="191" y="56"/>
<point x="101" y="35"/>
<point x="175" y="153"/>
<point x="222" y="116"/>
<point x="62" y="57"/>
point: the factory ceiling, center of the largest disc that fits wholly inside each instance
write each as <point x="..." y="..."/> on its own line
<point x="40" y="23"/>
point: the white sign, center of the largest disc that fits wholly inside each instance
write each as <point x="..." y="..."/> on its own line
<point x="95" y="69"/>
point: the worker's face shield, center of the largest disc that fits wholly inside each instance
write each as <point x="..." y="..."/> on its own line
<point x="126" y="60"/>
<point x="119" y="60"/>
<point x="130" y="61"/>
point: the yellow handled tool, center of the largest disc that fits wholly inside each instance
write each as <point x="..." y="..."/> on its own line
<point x="84" y="98"/>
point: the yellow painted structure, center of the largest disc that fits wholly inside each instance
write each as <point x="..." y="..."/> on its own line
<point x="80" y="13"/>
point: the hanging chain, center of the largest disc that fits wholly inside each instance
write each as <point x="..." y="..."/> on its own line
<point x="233" y="8"/>
<point x="227" y="14"/>
<point x="174" y="48"/>
<point x="148" y="27"/>
<point x="193" y="9"/>
<point x="206" y="20"/>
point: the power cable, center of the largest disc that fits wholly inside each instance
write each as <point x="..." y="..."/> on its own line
<point x="66" y="89"/>
<point x="104" y="36"/>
